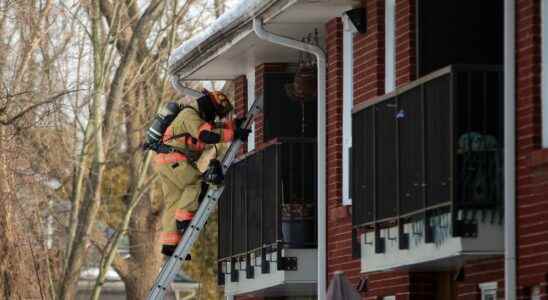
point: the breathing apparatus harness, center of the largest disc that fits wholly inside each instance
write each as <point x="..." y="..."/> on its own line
<point x="154" y="139"/>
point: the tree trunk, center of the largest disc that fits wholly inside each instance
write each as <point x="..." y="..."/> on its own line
<point x="17" y="279"/>
<point x="146" y="259"/>
<point x="145" y="253"/>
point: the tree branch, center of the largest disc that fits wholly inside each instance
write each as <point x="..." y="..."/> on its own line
<point x="33" y="106"/>
<point x="101" y="243"/>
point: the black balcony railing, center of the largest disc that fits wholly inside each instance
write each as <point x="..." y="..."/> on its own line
<point x="433" y="145"/>
<point x="269" y="202"/>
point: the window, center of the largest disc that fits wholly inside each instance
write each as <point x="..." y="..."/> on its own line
<point x="348" y="100"/>
<point x="447" y="29"/>
<point x="544" y="76"/>
<point x="488" y="291"/>
<point x="390" y="46"/>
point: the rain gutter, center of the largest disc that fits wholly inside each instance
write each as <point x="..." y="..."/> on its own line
<point x="321" y="140"/>
<point x="509" y="150"/>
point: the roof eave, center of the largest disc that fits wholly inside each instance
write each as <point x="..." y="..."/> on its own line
<point x="219" y="42"/>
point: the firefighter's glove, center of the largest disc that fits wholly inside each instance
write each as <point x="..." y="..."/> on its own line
<point x="214" y="173"/>
<point x="241" y="133"/>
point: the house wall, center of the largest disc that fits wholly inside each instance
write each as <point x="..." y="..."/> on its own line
<point x="532" y="161"/>
<point x="532" y="168"/>
<point x="240" y="100"/>
<point x="339" y="226"/>
<point x="368" y="83"/>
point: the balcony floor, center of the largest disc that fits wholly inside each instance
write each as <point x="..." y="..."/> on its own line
<point x="301" y="282"/>
<point x="444" y="253"/>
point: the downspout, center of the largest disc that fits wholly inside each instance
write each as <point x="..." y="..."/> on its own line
<point x="509" y="150"/>
<point x="321" y="64"/>
<point x="183" y="90"/>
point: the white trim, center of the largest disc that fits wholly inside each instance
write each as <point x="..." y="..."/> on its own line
<point x="510" y="150"/>
<point x="544" y="72"/>
<point x="389" y="298"/>
<point x="535" y="293"/>
<point x="390" y="46"/>
<point x="250" y="99"/>
<point x="348" y="100"/>
<point x="321" y="144"/>
<point x="488" y="289"/>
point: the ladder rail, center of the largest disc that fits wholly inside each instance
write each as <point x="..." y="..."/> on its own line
<point x="209" y="205"/>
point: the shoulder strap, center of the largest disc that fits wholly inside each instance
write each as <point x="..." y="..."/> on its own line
<point x="186" y="133"/>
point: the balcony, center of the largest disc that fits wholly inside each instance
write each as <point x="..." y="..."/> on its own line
<point x="427" y="178"/>
<point x="267" y="221"/>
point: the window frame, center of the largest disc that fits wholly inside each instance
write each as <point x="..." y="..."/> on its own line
<point x="535" y="292"/>
<point x="349" y="30"/>
<point x="544" y="70"/>
<point x="488" y="289"/>
<point x="250" y="100"/>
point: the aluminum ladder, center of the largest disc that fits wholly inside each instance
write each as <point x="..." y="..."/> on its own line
<point x="208" y="205"/>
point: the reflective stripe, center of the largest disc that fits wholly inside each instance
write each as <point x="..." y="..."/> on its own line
<point x="168" y="134"/>
<point x="228" y="131"/>
<point x="228" y="135"/>
<point x="183" y="215"/>
<point x="192" y="143"/>
<point x="170" y="238"/>
<point x="155" y="132"/>
<point x="169" y="158"/>
<point x="205" y="127"/>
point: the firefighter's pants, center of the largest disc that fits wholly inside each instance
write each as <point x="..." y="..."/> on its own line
<point x="181" y="185"/>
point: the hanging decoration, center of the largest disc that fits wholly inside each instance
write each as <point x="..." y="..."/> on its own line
<point x="304" y="86"/>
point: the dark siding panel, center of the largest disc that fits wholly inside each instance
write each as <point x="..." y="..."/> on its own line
<point x="254" y="200"/>
<point x="363" y="167"/>
<point x="238" y="210"/>
<point x="369" y="197"/>
<point x="438" y="140"/>
<point x="410" y="147"/>
<point x="270" y="188"/>
<point x="385" y="149"/>
<point x="358" y="209"/>
<point x="225" y="217"/>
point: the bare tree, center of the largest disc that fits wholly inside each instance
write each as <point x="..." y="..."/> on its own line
<point x="79" y="81"/>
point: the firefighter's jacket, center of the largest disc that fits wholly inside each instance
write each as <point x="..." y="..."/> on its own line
<point x="180" y="170"/>
<point x="184" y="136"/>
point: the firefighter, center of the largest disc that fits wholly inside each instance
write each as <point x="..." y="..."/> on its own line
<point x="184" y="137"/>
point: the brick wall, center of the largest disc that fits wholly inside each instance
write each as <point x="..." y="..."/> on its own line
<point x="387" y="284"/>
<point x="240" y="95"/>
<point x="405" y="41"/>
<point x="487" y="270"/>
<point x="532" y="169"/>
<point x="369" y="54"/>
<point x="259" y="76"/>
<point x="240" y="99"/>
<point x="339" y="228"/>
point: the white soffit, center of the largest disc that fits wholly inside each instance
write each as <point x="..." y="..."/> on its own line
<point x="247" y="50"/>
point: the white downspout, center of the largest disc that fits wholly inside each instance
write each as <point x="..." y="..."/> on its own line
<point x="321" y="139"/>
<point x="509" y="150"/>
<point x="183" y="90"/>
